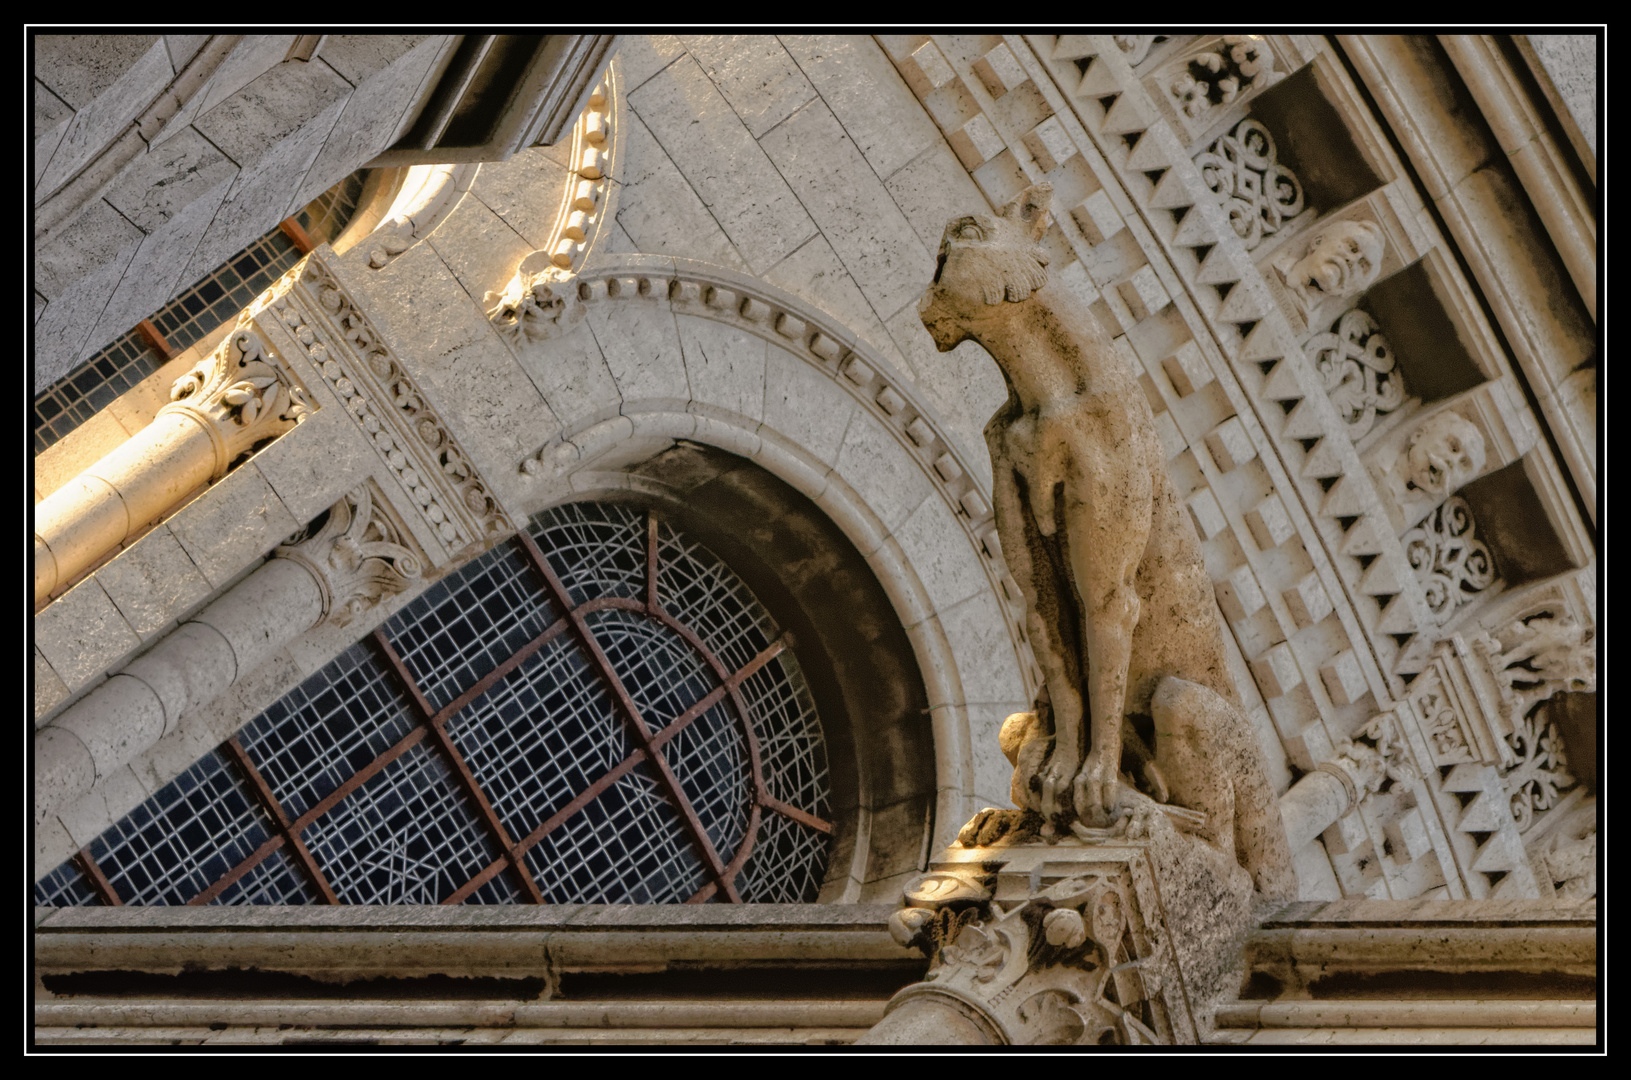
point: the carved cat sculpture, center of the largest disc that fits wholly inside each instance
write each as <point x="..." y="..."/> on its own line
<point x="1119" y="607"/>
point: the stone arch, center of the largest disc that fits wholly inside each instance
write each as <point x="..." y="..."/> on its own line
<point x="687" y="352"/>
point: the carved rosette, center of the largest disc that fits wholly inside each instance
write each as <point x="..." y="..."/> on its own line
<point x="1451" y="563"/>
<point x="1256" y="191"/>
<point x="1359" y="370"/>
<point x="408" y="435"/>
<point x="1234" y="66"/>
<point x="1069" y="964"/>
<point x="358" y="557"/>
<point x="242" y="395"/>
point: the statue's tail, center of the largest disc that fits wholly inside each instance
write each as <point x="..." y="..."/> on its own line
<point x="1213" y="763"/>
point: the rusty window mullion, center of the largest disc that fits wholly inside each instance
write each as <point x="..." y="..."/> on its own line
<point x="105" y="891"/>
<point x="280" y="820"/>
<point x="431" y="721"/>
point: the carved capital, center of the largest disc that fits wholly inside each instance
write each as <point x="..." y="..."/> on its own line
<point x="1053" y="969"/>
<point x="358" y="556"/>
<point x="242" y="395"/>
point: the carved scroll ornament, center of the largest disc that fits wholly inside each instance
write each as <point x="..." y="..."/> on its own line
<point x="1359" y="370"/>
<point x="1451" y="563"/>
<point x="241" y="396"/>
<point x="1256" y="191"/>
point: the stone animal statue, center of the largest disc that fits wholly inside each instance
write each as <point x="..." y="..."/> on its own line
<point x="1119" y="607"/>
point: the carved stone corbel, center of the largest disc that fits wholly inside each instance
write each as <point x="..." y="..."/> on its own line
<point x="240" y="397"/>
<point x="358" y="556"/>
<point x="539" y="303"/>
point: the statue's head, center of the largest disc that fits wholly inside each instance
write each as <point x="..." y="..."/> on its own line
<point x="1445" y="452"/>
<point x="1343" y="258"/>
<point x="985" y="261"/>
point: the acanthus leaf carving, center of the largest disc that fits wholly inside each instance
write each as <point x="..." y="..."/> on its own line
<point x="241" y="395"/>
<point x="1256" y="191"/>
<point x="1535" y="656"/>
<point x="1451" y="563"/>
<point x="357" y="555"/>
<point x="1357" y="365"/>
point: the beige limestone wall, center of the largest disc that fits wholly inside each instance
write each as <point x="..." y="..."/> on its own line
<point x="158" y="156"/>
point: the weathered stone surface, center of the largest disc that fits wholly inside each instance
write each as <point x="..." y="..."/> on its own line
<point x="856" y="214"/>
<point x="153" y="583"/>
<point x="231" y="524"/>
<point x="756" y="76"/>
<point x="660" y="210"/>
<point x="867" y="95"/>
<point x="713" y="150"/>
<point x="81" y="633"/>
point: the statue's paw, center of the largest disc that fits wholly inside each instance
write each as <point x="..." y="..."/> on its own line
<point x="1056" y="778"/>
<point x="991" y="827"/>
<point x="1098" y="791"/>
<point x="1157" y="782"/>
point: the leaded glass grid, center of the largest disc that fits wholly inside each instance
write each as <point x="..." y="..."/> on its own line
<point x="599" y="712"/>
<point x="192" y="315"/>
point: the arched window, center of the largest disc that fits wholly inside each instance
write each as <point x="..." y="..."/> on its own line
<point x="599" y="711"/>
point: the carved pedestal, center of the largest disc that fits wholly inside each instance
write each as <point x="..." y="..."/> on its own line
<point x="1124" y="942"/>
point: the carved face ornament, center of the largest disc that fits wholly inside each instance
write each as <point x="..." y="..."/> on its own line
<point x="1445" y="452"/>
<point x="984" y="261"/>
<point x="1343" y="258"/>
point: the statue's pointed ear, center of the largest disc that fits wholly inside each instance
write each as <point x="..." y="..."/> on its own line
<point x="1031" y="208"/>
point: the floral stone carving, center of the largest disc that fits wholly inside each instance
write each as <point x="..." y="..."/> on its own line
<point x="1359" y="370"/>
<point x="1220" y="75"/>
<point x="241" y="396"/>
<point x="1117" y="598"/>
<point x="1256" y="191"/>
<point x="1451" y="563"/>
<point x="357" y="555"/>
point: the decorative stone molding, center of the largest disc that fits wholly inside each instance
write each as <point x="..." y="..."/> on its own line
<point x="1451" y="563"/>
<point x="357" y="555"/>
<point x="751" y="305"/>
<point x="1570" y="863"/>
<point x="429" y="194"/>
<point x="412" y="441"/>
<point x="241" y="395"/>
<point x="1359" y="370"/>
<point x="1257" y="193"/>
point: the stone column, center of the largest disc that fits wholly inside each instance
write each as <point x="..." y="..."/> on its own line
<point x="238" y="396"/>
<point x="350" y="562"/>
